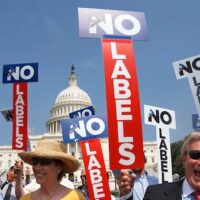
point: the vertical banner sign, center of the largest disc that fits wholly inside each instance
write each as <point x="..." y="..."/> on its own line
<point x="95" y="169"/>
<point x="123" y="105"/>
<point x="19" y="75"/>
<point x="20" y="116"/>
<point x="163" y="119"/>
<point x="190" y="68"/>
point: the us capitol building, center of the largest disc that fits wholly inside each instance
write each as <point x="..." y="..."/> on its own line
<point x="70" y="99"/>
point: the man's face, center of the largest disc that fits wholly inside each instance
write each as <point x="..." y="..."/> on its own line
<point x="192" y="165"/>
<point x="11" y="175"/>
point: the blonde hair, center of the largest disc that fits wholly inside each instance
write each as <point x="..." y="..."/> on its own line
<point x="192" y="137"/>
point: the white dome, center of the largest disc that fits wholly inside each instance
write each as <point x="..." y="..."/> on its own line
<point x="72" y="93"/>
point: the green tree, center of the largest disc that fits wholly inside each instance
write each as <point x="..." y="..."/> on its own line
<point x="177" y="166"/>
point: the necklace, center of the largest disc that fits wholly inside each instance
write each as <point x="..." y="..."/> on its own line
<point x="52" y="194"/>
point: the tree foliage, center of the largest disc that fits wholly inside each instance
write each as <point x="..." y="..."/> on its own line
<point x="177" y="166"/>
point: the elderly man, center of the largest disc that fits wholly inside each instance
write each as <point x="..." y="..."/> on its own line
<point x="189" y="187"/>
<point x="185" y="189"/>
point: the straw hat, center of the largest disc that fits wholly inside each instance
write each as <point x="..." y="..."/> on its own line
<point x="51" y="150"/>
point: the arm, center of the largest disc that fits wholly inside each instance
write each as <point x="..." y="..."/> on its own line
<point x="19" y="190"/>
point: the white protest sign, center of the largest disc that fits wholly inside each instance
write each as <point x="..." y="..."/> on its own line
<point x="190" y="68"/>
<point x="163" y="119"/>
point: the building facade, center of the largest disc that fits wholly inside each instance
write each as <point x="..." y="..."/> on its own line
<point x="70" y="99"/>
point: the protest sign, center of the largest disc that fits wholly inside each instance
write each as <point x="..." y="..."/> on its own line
<point x="96" y="23"/>
<point x="190" y="68"/>
<point x="18" y="73"/>
<point x="20" y="116"/>
<point x="83" y="128"/>
<point x="163" y="119"/>
<point x="123" y="105"/>
<point x="97" y="180"/>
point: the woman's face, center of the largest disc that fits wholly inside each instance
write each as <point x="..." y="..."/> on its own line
<point x="45" y="170"/>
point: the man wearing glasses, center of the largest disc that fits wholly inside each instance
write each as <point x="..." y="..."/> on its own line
<point x="189" y="187"/>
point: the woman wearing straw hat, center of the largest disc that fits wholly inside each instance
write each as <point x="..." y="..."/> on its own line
<point x="50" y="162"/>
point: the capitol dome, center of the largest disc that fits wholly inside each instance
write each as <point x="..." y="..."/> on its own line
<point x="68" y="100"/>
<point x="72" y="93"/>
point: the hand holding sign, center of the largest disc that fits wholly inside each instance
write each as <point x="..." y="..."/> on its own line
<point x="125" y="182"/>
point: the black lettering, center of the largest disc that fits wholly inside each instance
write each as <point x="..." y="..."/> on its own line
<point x="164" y="166"/>
<point x="160" y="134"/>
<point x="195" y="81"/>
<point x="184" y="68"/>
<point x="194" y="63"/>
<point x="163" y="154"/>
<point x="164" y="120"/>
<point x="163" y="178"/>
<point x="155" y="116"/>
<point x="198" y="91"/>
<point x="163" y="145"/>
<point x="9" y="116"/>
<point x="199" y="99"/>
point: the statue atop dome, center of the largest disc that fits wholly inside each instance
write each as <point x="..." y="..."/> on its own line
<point x="72" y="77"/>
<point x="72" y="69"/>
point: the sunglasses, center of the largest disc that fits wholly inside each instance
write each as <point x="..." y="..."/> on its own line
<point x="194" y="154"/>
<point x="41" y="161"/>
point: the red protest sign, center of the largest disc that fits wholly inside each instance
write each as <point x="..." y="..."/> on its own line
<point x="97" y="180"/>
<point x="20" y="115"/>
<point x="123" y="105"/>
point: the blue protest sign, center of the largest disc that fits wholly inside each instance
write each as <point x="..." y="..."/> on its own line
<point x="18" y="73"/>
<point x="196" y="122"/>
<point x="83" y="128"/>
<point x="85" y="112"/>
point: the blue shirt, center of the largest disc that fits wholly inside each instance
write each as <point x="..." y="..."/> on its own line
<point x="187" y="191"/>
<point x="140" y="185"/>
<point x="1" y="195"/>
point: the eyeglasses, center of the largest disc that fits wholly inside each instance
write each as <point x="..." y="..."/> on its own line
<point x="194" y="154"/>
<point x="41" y="161"/>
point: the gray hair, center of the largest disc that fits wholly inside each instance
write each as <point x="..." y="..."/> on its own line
<point x="192" y="137"/>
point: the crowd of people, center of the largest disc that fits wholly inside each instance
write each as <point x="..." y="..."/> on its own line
<point x="50" y="164"/>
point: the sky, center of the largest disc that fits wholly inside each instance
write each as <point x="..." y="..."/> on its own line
<point x="47" y="32"/>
